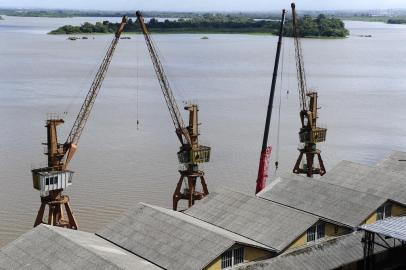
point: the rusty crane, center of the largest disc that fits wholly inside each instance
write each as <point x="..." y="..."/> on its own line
<point x="191" y="153"/>
<point x="310" y="134"/>
<point x="54" y="178"/>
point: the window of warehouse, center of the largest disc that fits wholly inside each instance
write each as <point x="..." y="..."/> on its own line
<point x="316" y="232"/>
<point x="384" y="211"/>
<point x="232" y="257"/>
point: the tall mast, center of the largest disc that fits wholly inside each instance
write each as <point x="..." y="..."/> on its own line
<point x="266" y="150"/>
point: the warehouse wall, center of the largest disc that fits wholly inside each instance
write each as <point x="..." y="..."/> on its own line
<point x="330" y="230"/>
<point x="250" y="254"/>
<point x="396" y="211"/>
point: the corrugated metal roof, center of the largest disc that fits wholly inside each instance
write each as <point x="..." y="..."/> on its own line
<point x="369" y="179"/>
<point x="327" y="254"/>
<point x="264" y="221"/>
<point x="327" y="200"/>
<point x="171" y="239"/>
<point x="394" y="227"/>
<point x="47" y="247"/>
<point x="395" y="161"/>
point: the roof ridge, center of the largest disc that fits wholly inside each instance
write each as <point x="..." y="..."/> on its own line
<point x="316" y="244"/>
<point x="271" y="248"/>
<point x="263" y="199"/>
<point x="343" y="187"/>
<point x="164" y="211"/>
<point x="51" y="228"/>
<point x="129" y="251"/>
<point x="320" y="217"/>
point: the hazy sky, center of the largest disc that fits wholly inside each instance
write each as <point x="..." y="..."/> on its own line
<point x="204" y="5"/>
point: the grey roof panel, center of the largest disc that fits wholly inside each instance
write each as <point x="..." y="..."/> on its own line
<point x="394" y="227"/>
<point x="263" y="221"/>
<point x="327" y="254"/>
<point x="47" y="247"/>
<point x="327" y="200"/>
<point x="396" y="161"/>
<point x="171" y="239"/>
<point x="369" y="179"/>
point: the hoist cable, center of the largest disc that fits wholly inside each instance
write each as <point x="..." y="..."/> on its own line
<point x="137" y="84"/>
<point x="279" y="108"/>
<point x="91" y="73"/>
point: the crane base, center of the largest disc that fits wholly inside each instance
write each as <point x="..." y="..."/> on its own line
<point x="189" y="193"/>
<point x="309" y="170"/>
<point x="55" y="202"/>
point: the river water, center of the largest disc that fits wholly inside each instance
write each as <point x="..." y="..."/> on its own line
<point x="362" y="93"/>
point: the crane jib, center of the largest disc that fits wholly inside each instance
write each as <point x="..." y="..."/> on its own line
<point x="85" y="110"/>
<point x="164" y="83"/>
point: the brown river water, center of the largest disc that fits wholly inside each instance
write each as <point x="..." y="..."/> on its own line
<point x="362" y="93"/>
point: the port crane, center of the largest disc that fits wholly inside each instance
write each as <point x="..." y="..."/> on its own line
<point x="310" y="134"/>
<point x="54" y="178"/>
<point x="191" y="153"/>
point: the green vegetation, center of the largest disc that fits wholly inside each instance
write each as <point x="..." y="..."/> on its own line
<point x="88" y="28"/>
<point x="397" y="21"/>
<point x="148" y="14"/>
<point x="217" y="23"/>
<point x="37" y="13"/>
<point x="319" y="27"/>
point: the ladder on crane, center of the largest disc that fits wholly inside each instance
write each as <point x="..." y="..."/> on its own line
<point x="54" y="178"/>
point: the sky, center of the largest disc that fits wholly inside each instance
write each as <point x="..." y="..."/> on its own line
<point x="205" y="5"/>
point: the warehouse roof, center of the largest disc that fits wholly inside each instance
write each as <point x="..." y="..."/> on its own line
<point x="328" y="254"/>
<point x="264" y="221"/>
<point x="171" y="239"/>
<point x="47" y="247"/>
<point x="394" y="227"/>
<point x="337" y="203"/>
<point x="369" y="179"/>
<point x="396" y="161"/>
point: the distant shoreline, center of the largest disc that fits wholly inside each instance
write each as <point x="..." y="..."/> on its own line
<point x="383" y="19"/>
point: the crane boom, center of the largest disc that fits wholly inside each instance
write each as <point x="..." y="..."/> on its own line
<point x="301" y="74"/>
<point x="88" y="103"/>
<point x="266" y="150"/>
<point x="165" y="87"/>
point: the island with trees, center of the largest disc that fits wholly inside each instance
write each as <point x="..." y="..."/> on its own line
<point x="320" y="26"/>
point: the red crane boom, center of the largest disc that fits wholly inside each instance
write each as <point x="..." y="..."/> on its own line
<point x="266" y="150"/>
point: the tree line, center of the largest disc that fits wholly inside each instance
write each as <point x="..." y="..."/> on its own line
<point x="321" y="26"/>
<point x="397" y="21"/>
